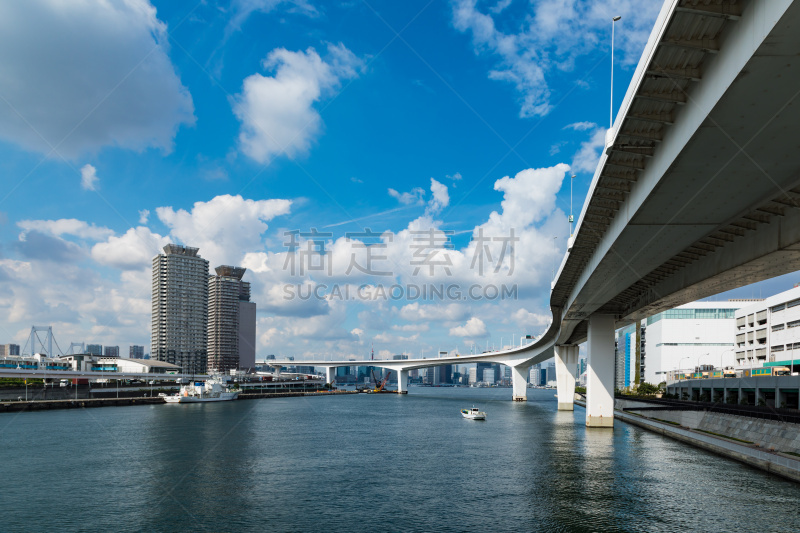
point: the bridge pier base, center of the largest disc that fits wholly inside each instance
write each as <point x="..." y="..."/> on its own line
<point x="402" y="381"/>
<point x="600" y="372"/>
<point x="566" y="368"/>
<point x="330" y="374"/>
<point x="520" y="383"/>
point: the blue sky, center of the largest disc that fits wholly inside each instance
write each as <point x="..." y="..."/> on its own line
<point x="223" y="125"/>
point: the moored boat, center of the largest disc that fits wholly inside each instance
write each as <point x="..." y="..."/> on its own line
<point x="212" y="390"/>
<point x="473" y="414"/>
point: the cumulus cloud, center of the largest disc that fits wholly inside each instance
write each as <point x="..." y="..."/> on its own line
<point x="89" y="178"/>
<point x="527" y="320"/>
<point x="36" y="245"/>
<point x="144" y="214"/>
<point x="86" y="74"/>
<point x="414" y="312"/>
<point x="225" y="227"/>
<point x="473" y="328"/>
<point x="66" y="226"/>
<point x="550" y="38"/>
<point x="588" y="155"/>
<point x="277" y="113"/>
<point x="439" y="197"/>
<point x="133" y="250"/>
<point x="415" y="196"/>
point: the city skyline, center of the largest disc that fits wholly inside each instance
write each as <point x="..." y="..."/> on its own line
<point x="250" y="137"/>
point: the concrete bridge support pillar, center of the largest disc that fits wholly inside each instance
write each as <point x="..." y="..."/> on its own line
<point x="600" y="372"/>
<point x="402" y="381"/>
<point x="519" y="381"/>
<point x="330" y="374"/>
<point x="566" y="369"/>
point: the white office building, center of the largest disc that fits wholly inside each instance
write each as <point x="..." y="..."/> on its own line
<point x="767" y="332"/>
<point x="691" y="335"/>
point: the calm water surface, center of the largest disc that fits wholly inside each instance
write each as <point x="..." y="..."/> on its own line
<point x="367" y="463"/>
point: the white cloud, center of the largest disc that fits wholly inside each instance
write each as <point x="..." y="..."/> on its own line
<point x="580" y="126"/>
<point x="277" y="113"/>
<point x="439" y="198"/>
<point x="224" y="228"/>
<point x="415" y="196"/>
<point x="86" y="74"/>
<point x="242" y="9"/>
<point x="133" y="250"/>
<point x="88" y="178"/>
<point x="144" y="214"/>
<point x="530" y="195"/>
<point x="66" y="226"/>
<point x="552" y="35"/>
<point x="527" y="320"/>
<point x="455" y="177"/>
<point x="411" y="327"/>
<point x="415" y="312"/>
<point x="588" y="155"/>
<point x="473" y="328"/>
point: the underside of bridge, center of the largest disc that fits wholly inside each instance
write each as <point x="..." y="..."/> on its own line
<point x="699" y="189"/>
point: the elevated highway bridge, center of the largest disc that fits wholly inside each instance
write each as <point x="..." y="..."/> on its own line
<point x="697" y="190"/>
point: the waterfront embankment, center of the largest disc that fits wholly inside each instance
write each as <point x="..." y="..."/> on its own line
<point x="46" y="405"/>
<point x="766" y="453"/>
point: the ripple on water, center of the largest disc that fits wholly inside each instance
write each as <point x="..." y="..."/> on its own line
<point x="367" y="462"/>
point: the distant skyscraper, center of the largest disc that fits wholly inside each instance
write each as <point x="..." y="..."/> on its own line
<point x="136" y="352"/>
<point x="231" y="321"/>
<point x="111" y="351"/>
<point x="9" y="349"/>
<point x="179" y="327"/>
<point x="94" y="349"/>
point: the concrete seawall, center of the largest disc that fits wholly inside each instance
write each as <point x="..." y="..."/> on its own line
<point x="772" y="435"/>
<point x="82" y="403"/>
<point x="774" y="462"/>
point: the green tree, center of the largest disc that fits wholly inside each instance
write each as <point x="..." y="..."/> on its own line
<point x="648" y="389"/>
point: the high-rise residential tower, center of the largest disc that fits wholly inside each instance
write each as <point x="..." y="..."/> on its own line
<point x="94" y="349"/>
<point x="136" y="352"/>
<point x="180" y="308"/>
<point x="231" y="321"/>
<point x="111" y="351"/>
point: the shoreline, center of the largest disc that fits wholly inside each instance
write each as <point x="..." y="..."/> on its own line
<point x="47" y="405"/>
<point x="778" y="463"/>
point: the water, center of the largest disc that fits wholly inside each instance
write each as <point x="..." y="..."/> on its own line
<point x="370" y="462"/>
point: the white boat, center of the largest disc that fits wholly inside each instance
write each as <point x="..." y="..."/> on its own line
<point x="212" y="390"/>
<point x="473" y="414"/>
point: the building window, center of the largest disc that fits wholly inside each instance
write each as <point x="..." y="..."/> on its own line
<point x="778" y="327"/>
<point x="793" y="324"/>
<point x="777" y="308"/>
<point x="793" y="303"/>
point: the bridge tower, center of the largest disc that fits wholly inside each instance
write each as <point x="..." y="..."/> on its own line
<point x="73" y="345"/>
<point x="35" y="342"/>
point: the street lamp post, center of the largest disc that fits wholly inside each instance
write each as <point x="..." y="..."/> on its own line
<point x="611" y="109"/>
<point x="698" y="358"/>
<point x="571" y="181"/>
